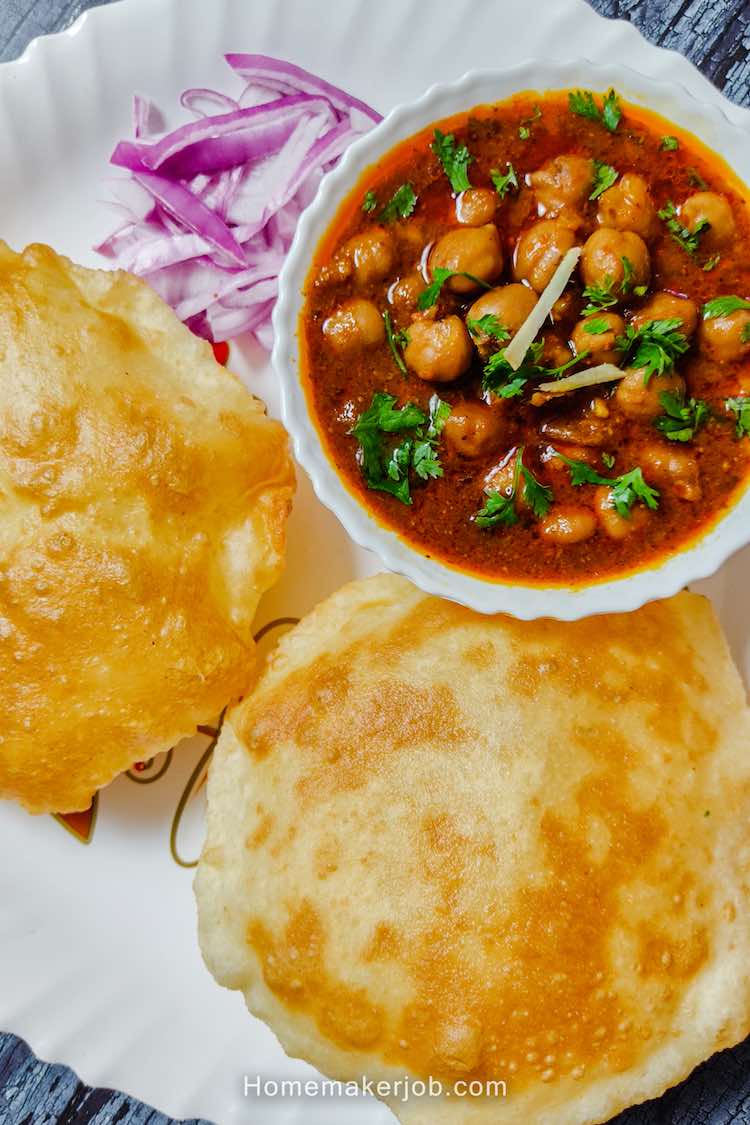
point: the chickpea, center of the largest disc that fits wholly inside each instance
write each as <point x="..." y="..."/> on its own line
<point x="539" y="251"/>
<point x="476" y="206"/>
<point x="722" y="337"/>
<point x="555" y="352"/>
<point x="628" y="205"/>
<point x="674" y="468"/>
<point x="715" y="209"/>
<point x="568" y="523"/>
<point x="562" y="182"/>
<point x="473" y="429"/>
<point x="599" y="345"/>
<point x="668" y="306"/>
<point x="637" y="398"/>
<point x="438" y="351"/>
<point x="611" y="522"/>
<point x="474" y="250"/>
<point x="405" y="291"/>
<point x="354" y="325"/>
<point x="603" y="254"/>
<point x="566" y="306"/>
<point x="372" y="254"/>
<point x="511" y="304"/>
<point x="586" y="429"/>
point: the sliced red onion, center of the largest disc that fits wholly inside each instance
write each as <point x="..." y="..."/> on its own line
<point x="210" y="208"/>
<point x="288" y="79"/>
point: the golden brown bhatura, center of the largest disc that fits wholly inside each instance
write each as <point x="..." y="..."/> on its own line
<point x="143" y="502"/>
<point x="483" y="849"/>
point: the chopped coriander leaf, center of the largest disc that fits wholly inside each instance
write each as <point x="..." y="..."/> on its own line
<point x="370" y="201"/>
<point x="583" y="103"/>
<point x="696" y="180"/>
<point x="381" y="418"/>
<point x="500" y="507"/>
<point x="682" y="418"/>
<point x="653" y="346"/>
<point x="397" y="341"/>
<point x="626" y="285"/>
<point x="524" y="132"/>
<point x="670" y="144"/>
<point x="505" y="382"/>
<point x="740" y="407"/>
<point x="711" y="263"/>
<point x="723" y="306"/>
<point x="488" y="325"/>
<point x="745" y="334"/>
<point x="608" y="460"/>
<point x="454" y="158"/>
<point x="424" y="457"/>
<point x="626" y="489"/>
<point x="596" y="326"/>
<point x="600" y="297"/>
<point x="604" y="176"/>
<point x="497" y="509"/>
<point x="538" y="496"/>
<point x="687" y="239"/>
<point x="500" y="378"/>
<point x="429" y="296"/>
<point x="400" y="205"/>
<point x="504" y="182"/>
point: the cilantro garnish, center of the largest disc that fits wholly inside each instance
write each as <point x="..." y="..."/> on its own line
<point x="689" y="240"/>
<point x="604" y="177"/>
<point x="429" y="296"/>
<point x="524" y="130"/>
<point x="596" y="326"/>
<point x="723" y="306"/>
<point x="608" y="460"/>
<point x="626" y="490"/>
<point x="397" y="341"/>
<point x="740" y="407"/>
<point x="504" y="182"/>
<point x="500" y="507"/>
<point x="400" y="205"/>
<point x="388" y="471"/>
<point x="711" y="263"/>
<point x="381" y="418"/>
<point x="626" y="285"/>
<point x="654" y="346"/>
<point x="454" y="158"/>
<point x="745" y="333"/>
<point x="670" y="144"/>
<point x="370" y="201"/>
<point x="506" y="382"/>
<point x="600" y="297"/>
<point x="682" y="418"/>
<point x="488" y="325"/>
<point x="583" y="103"/>
<point x="696" y="180"/>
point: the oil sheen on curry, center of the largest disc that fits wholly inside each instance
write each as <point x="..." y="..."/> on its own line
<point x="526" y="339"/>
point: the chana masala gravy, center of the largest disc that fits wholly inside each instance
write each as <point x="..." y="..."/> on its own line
<point x="497" y="459"/>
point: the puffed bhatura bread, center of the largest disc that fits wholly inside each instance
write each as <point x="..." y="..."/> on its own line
<point x="143" y="501"/>
<point x="483" y="849"/>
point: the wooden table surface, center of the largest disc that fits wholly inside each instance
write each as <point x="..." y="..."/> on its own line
<point x="715" y="35"/>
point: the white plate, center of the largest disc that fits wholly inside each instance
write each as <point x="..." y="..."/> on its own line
<point x="99" y="966"/>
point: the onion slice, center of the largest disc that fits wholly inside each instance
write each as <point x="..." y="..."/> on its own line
<point x="602" y="373"/>
<point x="210" y="208"/>
<point x="527" y="333"/>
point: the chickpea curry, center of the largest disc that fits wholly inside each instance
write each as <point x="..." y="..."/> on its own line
<point x="526" y="339"/>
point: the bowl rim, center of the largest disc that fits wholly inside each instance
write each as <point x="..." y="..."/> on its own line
<point x="700" y="558"/>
